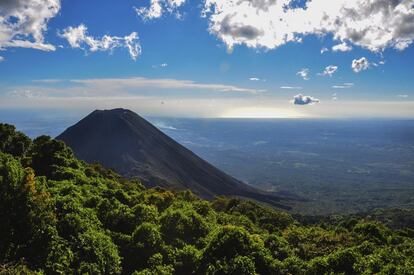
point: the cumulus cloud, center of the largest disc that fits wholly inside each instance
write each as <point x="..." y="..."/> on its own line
<point x="23" y="23"/>
<point x="304" y="100"/>
<point x="324" y="50"/>
<point x="159" y="7"/>
<point x="78" y="37"/>
<point x="359" y="65"/>
<point x="304" y="73"/>
<point x="371" y="24"/>
<point x="342" y="47"/>
<point x="329" y="70"/>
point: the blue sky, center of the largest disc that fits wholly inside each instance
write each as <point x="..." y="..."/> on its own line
<point x="190" y="64"/>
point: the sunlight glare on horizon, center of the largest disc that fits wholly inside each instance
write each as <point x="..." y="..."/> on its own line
<point x="258" y="112"/>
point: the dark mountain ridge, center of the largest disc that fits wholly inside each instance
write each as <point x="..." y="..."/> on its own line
<point x="122" y="140"/>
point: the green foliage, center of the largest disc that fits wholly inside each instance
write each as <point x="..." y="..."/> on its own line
<point x="60" y="215"/>
<point x="187" y="260"/>
<point x="12" y="142"/>
<point x="183" y="225"/>
<point x="18" y="268"/>
<point x="278" y="246"/>
<point x="241" y="265"/>
<point x="147" y="240"/>
<point x="26" y="213"/>
<point x="50" y="157"/>
<point x="371" y="231"/>
<point x="227" y="242"/>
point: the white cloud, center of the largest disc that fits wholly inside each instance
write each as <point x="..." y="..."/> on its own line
<point x="402" y="96"/>
<point x="29" y="44"/>
<point x="257" y="79"/>
<point x="304" y="100"/>
<point x="324" y="50"/>
<point x="163" y="83"/>
<point x="359" y="65"/>
<point x="291" y="88"/>
<point x="50" y="81"/>
<point x="23" y="23"/>
<point x="158" y="7"/>
<point x="162" y="65"/>
<point x="78" y="37"/>
<point x="24" y="94"/>
<point x="164" y="126"/>
<point x="131" y="42"/>
<point x="329" y="70"/>
<point x="160" y="97"/>
<point x="121" y="87"/>
<point x="343" y="86"/>
<point x="154" y="11"/>
<point x="1" y="59"/>
<point x="304" y="73"/>
<point x="371" y="24"/>
<point x="342" y="47"/>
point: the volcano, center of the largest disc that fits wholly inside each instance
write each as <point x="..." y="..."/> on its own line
<point x="125" y="142"/>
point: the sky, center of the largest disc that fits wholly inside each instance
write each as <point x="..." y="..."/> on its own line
<point x="210" y="58"/>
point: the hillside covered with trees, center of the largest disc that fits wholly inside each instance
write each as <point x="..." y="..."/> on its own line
<point x="61" y="215"/>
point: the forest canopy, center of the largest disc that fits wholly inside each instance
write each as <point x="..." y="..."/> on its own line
<point x="61" y="215"/>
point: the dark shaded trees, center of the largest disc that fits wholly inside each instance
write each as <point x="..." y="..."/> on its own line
<point x="13" y="142"/>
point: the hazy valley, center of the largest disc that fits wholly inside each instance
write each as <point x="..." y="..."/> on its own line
<point x="336" y="166"/>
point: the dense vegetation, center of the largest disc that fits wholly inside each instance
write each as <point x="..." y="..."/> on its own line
<point x="61" y="215"/>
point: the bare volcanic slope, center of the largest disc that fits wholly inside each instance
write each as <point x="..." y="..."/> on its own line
<point x="122" y="140"/>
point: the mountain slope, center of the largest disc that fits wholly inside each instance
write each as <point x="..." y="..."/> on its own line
<point x="122" y="140"/>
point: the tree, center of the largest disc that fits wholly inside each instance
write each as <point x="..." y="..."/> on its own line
<point x="26" y="213"/>
<point x="12" y="142"/>
<point x="372" y="231"/>
<point x="186" y="260"/>
<point x="278" y="246"/>
<point x="146" y="241"/>
<point x="183" y="225"/>
<point x="229" y="242"/>
<point x="49" y="156"/>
